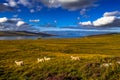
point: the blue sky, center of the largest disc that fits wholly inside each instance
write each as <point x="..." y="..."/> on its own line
<point x="61" y="13"/>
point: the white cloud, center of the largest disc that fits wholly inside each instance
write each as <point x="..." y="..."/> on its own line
<point x="20" y="23"/>
<point x="51" y="1"/>
<point x="12" y="3"/>
<point x="68" y="1"/>
<point x="4" y="19"/>
<point x="114" y="13"/>
<point x="104" y="21"/>
<point x="5" y="7"/>
<point x="16" y="15"/>
<point x="36" y="20"/>
<point x="109" y="19"/>
<point x="32" y="10"/>
<point x="78" y="18"/>
<point x="19" y="10"/>
<point x="69" y="4"/>
<point x="15" y="19"/>
<point x="83" y="11"/>
<point x="13" y="25"/>
<point x="24" y="2"/>
<point x="66" y="4"/>
<point x="6" y="4"/>
<point x="55" y="21"/>
<point x="88" y="23"/>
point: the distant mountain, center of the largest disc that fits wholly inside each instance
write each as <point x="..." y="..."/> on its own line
<point x="23" y="33"/>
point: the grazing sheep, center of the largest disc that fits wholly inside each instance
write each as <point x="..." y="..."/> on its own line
<point x="19" y="63"/>
<point x="106" y="64"/>
<point x="75" y="58"/>
<point x="40" y="60"/>
<point x="118" y="62"/>
<point x="46" y="59"/>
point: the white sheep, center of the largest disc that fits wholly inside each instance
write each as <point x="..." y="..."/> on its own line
<point x="40" y="60"/>
<point x="118" y="62"/>
<point x="106" y="64"/>
<point x="47" y="59"/>
<point x="75" y="58"/>
<point x="19" y="63"/>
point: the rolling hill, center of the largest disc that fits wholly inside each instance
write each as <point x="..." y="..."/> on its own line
<point x="22" y="33"/>
<point x="93" y="53"/>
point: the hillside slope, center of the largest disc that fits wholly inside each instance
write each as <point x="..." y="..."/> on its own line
<point x="93" y="53"/>
<point x="22" y="33"/>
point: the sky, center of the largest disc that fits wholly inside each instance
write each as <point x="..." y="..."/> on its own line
<point x="58" y="13"/>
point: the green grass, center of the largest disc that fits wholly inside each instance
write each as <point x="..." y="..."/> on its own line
<point x="93" y="51"/>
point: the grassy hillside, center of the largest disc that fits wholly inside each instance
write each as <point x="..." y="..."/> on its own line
<point x="93" y="52"/>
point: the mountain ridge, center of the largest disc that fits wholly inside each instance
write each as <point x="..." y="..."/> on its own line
<point x="23" y="33"/>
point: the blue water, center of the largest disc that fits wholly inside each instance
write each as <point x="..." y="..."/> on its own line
<point x="66" y="33"/>
<point x="75" y="34"/>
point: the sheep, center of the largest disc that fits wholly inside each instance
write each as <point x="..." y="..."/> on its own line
<point x="19" y="63"/>
<point x="46" y="59"/>
<point x="75" y="58"/>
<point x="118" y="62"/>
<point x="106" y="64"/>
<point x="40" y="60"/>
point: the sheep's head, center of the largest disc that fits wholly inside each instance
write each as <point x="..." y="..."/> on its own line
<point x="37" y="58"/>
<point x="15" y="61"/>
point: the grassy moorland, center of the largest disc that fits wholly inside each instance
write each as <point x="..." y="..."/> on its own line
<point x="93" y="52"/>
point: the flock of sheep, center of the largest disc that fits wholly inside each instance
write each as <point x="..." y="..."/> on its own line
<point x="20" y="63"/>
<point x="43" y="59"/>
